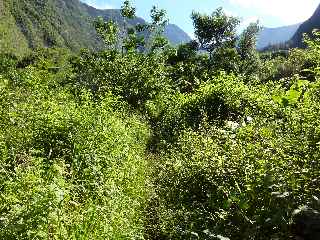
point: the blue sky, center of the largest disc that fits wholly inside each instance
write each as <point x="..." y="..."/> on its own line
<point x="270" y="13"/>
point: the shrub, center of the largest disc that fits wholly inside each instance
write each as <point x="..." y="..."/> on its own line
<point x="69" y="169"/>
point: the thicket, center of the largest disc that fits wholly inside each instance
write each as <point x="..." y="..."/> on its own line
<point x="146" y="141"/>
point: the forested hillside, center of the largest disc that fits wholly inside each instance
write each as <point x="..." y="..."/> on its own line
<point x="143" y="140"/>
<point x="60" y="23"/>
<point x="11" y="38"/>
<point x="50" y="23"/>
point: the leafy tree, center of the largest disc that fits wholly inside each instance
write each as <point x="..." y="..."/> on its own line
<point x="112" y="35"/>
<point x="187" y="51"/>
<point x="215" y="31"/>
<point x="127" y="10"/>
<point x="313" y="46"/>
<point x="156" y="28"/>
<point x="247" y="41"/>
<point x="246" y="47"/>
<point x="108" y="31"/>
<point x="131" y="40"/>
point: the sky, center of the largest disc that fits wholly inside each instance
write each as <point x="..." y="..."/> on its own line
<point x="270" y="13"/>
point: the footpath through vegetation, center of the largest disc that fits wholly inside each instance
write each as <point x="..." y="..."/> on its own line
<point x="147" y="141"/>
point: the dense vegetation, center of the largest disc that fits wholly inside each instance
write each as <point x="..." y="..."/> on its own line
<point x="156" y="142"/>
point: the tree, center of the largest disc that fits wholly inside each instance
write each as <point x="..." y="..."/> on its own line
<point x="247" y="41"/>
<point x="131" y="40"/>
<point x="215" y="31"/>
<point x="156" y="28"/>
<point x="246" y="48"/>
<point x="108" y="31"/>
<point x="187" y="51"/>
<point x="128" y="11"/>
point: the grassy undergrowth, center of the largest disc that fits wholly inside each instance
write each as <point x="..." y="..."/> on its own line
<point x="165" y="144"/>
<point x="71" y="168"/>
<point x="86" y="156"/>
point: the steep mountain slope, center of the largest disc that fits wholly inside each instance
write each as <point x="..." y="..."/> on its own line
<point x="176" y="35"/>
<point x="64" y="23"/>
<point x="312" y="23"/>
<point x="11" y="38"/>
<point x="273" y="36"/>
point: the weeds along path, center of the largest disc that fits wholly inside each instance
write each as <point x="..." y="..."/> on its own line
<point x="70" y="168"/>
<point x="235" y="161"/>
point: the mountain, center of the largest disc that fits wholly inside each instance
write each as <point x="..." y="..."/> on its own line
<point x="172" y="32"/>
<point x="11" y="38"/>
<point x="274" y="36"/>
<point x="46" y="23"/>
<point x="312" y="23"/>
<point x="176" y="35"/>
<point x="29" y="24"/>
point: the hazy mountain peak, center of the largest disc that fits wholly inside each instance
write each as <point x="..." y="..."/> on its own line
<point x="274" y="36"/>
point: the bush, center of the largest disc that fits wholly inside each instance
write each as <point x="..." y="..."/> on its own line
<point x="135" y="77"/>
<point x="69" y="169"/>
<point x="243" y="179"/>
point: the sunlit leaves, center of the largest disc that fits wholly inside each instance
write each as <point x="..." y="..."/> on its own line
<point x="107" y="31"/>
<point x="127" y="10"/>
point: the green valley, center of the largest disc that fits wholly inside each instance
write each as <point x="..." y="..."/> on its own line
<point x="108" y="130"/>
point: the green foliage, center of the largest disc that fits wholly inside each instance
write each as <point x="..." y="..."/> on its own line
<point x="156" y="41"/>
<point x="133" y="41"/>
<point x="214" y="31"/>
<point x="135" y="77"/>
<point x="247" y="41"/>
<point x="250" y="61"/>
<point x="294" y="94"/>
<point x="220" y="99"/>
<point x="187" y="51"/>
<point x="168" y="144"/>
<point x="12" y="41"/>
<point x="50" y="23"/>
<point x="132" y="38"/>
<point x="217" y="34"/>
<point x="108" y="31"/>
<point x="127" y="10"/>
<point x="238" y="166"/>
<point x="70" y="168"/>
<point x="7" y="62"/>
<point x="281" y="65"/>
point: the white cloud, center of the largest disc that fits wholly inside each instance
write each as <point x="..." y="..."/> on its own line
<point x="245" y="22"/>
<point x="99" y="4"/>
<point x="288" y="11"/>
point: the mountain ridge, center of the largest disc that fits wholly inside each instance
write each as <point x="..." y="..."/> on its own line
<point x="277" y="35"/>
<point x="306" y="27"/>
